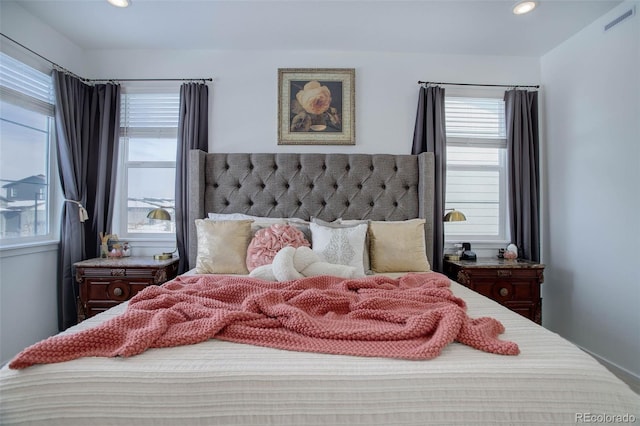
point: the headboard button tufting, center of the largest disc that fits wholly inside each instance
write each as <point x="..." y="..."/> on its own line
<point x="384" y="187"/>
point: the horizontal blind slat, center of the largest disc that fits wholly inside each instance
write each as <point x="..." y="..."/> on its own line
<point x="26" y="80"/>
<point x="149" y="110"/>
<point x="475" y="118"/>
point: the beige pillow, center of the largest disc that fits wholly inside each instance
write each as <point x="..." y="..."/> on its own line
<point x="222" y="246"/>
<point x="398" y="246"/>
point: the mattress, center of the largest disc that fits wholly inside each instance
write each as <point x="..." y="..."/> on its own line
<point x="224" y="383"/>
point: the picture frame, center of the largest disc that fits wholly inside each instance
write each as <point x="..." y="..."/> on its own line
<point x="316" y="106"/>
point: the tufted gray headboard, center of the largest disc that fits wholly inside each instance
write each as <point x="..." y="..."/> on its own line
<point x="326" y="186"/>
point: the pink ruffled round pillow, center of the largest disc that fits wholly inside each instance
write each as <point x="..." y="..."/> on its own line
<point x="267" y="242"/>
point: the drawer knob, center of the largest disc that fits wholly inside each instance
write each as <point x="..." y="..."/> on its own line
<point x="117" y="291"/>
<point x="504" y="292"/>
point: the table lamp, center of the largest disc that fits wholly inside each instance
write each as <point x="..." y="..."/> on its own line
<point x="161" y="214"/>
<point x="454" y="216"/>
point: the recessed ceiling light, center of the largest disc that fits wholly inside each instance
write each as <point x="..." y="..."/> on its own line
<point x="120" y="3"/>
<point x="523" y="7"/>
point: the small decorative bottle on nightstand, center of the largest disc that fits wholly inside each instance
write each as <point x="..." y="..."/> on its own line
<point x="106" y="282"/>
<point x="513" y="283"/>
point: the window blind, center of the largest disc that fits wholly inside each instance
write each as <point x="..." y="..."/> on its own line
<point x="476" y="167"/>
<point x="475" y="121"/>
<point x="149" y="115"/>
<point x="24" y="86"/>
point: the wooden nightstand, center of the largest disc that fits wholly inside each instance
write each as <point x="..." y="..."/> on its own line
<point x="105" y="283"/>
<point x="513" y="283"/>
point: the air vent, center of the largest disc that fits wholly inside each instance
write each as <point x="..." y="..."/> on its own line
<point x="628" y="14"/>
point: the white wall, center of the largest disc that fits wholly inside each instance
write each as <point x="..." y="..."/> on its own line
<point x="592" y="104"/>
<point x="244" y="91"/>
<point x="243" y="95"/>
<point x="30" y="31"/>
<point x="28" y="298"/>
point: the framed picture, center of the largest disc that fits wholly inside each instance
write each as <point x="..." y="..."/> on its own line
<point x="316" y="106"/>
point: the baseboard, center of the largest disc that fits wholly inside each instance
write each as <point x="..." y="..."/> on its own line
<point x="622" y="373"/>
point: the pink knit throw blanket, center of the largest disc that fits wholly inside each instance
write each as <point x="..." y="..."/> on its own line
<point x="413" y="317"/>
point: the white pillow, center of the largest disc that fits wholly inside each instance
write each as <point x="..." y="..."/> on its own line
<point x="342" y="223"/>
<point x="340" y="245"/>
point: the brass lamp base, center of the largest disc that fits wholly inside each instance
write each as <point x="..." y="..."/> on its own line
<point x="163" y="256"/>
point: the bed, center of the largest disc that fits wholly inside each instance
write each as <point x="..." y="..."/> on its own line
<point x="219" y="382"/>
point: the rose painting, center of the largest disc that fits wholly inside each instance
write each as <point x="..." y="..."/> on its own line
<point x="316" y="106"/>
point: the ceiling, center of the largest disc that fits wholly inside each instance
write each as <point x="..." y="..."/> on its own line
<point x="421" y="26"/>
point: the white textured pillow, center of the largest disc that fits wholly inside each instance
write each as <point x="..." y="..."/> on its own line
<point x="222" y="246"/>
<point x="398" y="246"/>
<point x="345" y="223"/>
<point x="340" y="245"/>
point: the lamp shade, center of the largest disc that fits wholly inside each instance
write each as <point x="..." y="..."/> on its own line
<point x="454" y="216"/>
<point x="159" y="214"/>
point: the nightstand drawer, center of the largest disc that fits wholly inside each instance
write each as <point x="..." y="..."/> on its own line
<point x="502" y="273"/>
<point x="502" y="290"/>
<point x="105" y="283"/>
<point x="117" y="290"/>
<point x="514" y="284"/>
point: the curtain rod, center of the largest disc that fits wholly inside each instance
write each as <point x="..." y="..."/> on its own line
<point x="480" y="85"/>
<point x="95" y="80"/>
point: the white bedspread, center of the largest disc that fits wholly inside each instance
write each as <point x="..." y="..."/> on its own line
<point x="223" y="383"/>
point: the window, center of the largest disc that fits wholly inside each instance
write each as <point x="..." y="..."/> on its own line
<point x="476" y="168"/>
<point x="148" y="146"/>
<point x="26" y="132"/>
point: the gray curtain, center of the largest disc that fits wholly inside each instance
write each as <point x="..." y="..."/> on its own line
<point x="87" y="122"/>
<point x="430" y="136"/>
<point x="524" y="177"/>
<point x="193" y="133"/>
